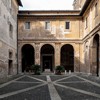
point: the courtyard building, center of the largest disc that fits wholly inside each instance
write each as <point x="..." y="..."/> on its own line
<point x="70" y="38"/>
<point x="8" y="37"/>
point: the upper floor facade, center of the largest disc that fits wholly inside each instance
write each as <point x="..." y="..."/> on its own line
<point x="68" y="24"/>
<point x="8" y="36"/>
<point x="78" y="28"/>
<point x="49" y="25"/>
<point x="8" y="21"/>
<point x="91" y="17"/>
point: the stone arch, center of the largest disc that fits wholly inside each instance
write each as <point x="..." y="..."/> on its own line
<point x="67" y="57"/>
<point x="95" y="55"/>
<point x="47" y="57"/>
<point x="62" y="44"/>
<point x="28" y="57"/>
<point x="42" y="44"/>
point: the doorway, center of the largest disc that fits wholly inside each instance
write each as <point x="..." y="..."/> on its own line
<point x="47" y="57"/>
<point x="95" y="56"/>
<point x="47" y="62"/>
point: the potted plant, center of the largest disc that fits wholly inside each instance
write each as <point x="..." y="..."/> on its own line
<point x="36" y="69"/>
<point x="59" y="69"/>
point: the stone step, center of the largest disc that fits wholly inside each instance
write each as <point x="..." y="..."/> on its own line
<point x="47" y="72"/>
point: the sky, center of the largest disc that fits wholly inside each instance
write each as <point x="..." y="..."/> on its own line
<point x="47" y="5"/>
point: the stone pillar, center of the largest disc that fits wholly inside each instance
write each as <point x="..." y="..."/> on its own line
<point x="90" y="59"/>
<point x="37" y="53"/>
<point x="94" y="60"/>
<point x="57" y="54"/>
<point x="77" y="59"/>
<point x="19" y="59"/>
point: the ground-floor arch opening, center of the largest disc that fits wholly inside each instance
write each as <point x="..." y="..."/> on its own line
<point x="95" y="56"/>
<point x="67" y="57"/>
<point x="27" y="57"/>
<point x="47" y="57"/>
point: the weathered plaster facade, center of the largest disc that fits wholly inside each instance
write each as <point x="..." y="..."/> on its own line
<point x="91" y="37"/>
<point x="8" y="37"/>
<point x="57" y="36"/>
<point x="82" y="38"/>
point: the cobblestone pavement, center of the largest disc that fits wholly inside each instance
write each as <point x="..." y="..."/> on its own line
<point x="51" y="87"/>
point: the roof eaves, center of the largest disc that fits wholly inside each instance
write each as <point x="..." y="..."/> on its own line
<point x="49" y="11"/>
<point x="85" y="7"/>
<point x="19" y="2"/>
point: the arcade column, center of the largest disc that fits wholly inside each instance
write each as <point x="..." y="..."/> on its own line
<point x="57" y="54"/>
<point x="37" y="53"/>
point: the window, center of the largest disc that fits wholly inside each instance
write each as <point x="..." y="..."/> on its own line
<point x="67" y="25"/>
<point x="10" y="5"/>
<point x="47" y="25"/>
<point x="86" y="22"/>
<point x="10" y="30"/>
<point x="96" y="9"/>
<point x="10" y="55"/>
<point x="27" y="25"/>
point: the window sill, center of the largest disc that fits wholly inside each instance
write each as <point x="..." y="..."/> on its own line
<point x="27" y="29"/>
<point x="47" y="29"/>
<point x="67" y="30"/>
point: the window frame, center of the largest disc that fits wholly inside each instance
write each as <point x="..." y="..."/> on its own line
<point x="46" y="25"/>
<point x="67" y="23"/>
<point x="10" y="30"/>
<point x="96" y="9"/>
<point x="27" y="25"/>
<point x="86" y="22"/>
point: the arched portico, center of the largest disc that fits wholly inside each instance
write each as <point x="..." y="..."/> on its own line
<point x="67" y="57"/>
<point x="27" y="57"/>
<point x="47" y="57"/>
<point x="95" y="56"/>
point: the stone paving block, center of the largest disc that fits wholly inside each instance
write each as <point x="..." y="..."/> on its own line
<point x="84" y="86"/>
<point x="91" y="78"/>
<point x="16" y="86"/>
<point x="71" y="79"/>
<point x="67" y="94"/>
<point x="41" y="93"/>
<point x="57" y="77"/>
<point x="40" y="77"/>
<point x="38" y="89"/>
<point x="28" y="79"/>
<point x="5" y="80"/>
